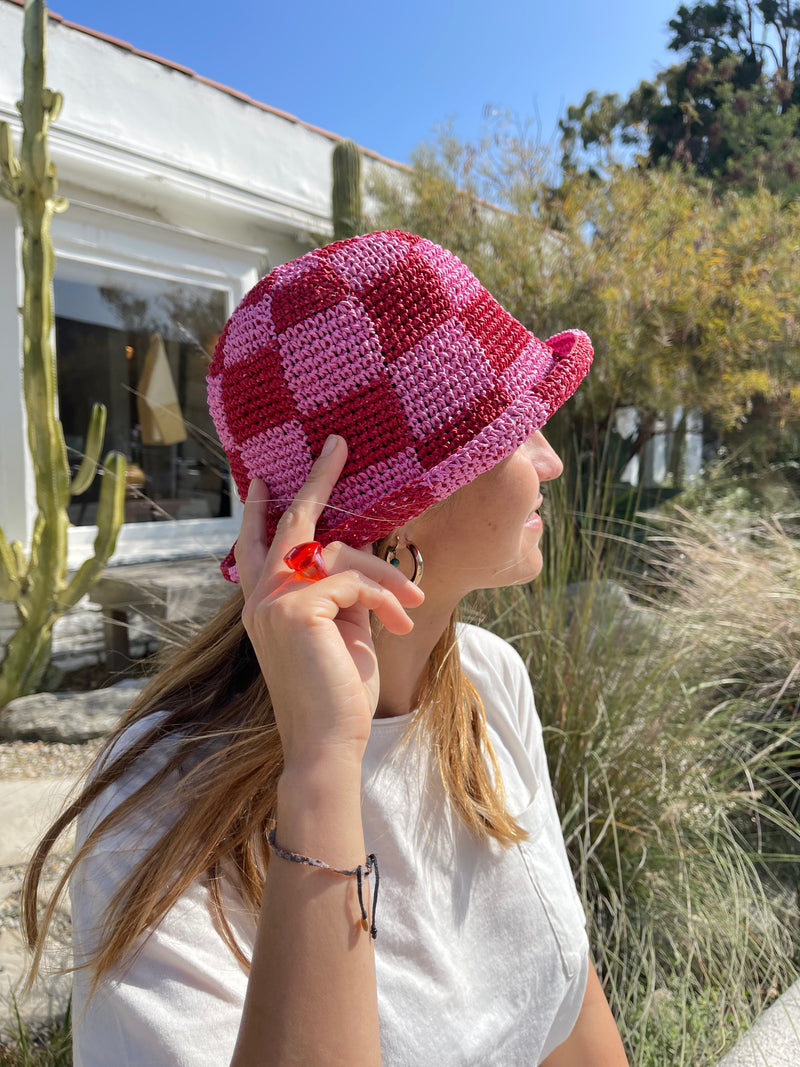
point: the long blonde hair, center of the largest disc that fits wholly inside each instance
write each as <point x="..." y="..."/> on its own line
<point x="214" y="705"/>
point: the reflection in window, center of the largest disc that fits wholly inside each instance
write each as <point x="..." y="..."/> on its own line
<point x="142" y="347"/>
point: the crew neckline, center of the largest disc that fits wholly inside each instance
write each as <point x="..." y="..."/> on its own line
<point x="393" y="720"/>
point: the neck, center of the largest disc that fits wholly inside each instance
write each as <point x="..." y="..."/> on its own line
<point x="403" y="660"/>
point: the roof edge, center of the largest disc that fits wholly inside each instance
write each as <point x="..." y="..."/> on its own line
<point x="242" y="97"/>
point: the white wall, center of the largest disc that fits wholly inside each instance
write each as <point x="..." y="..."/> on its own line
<point x="166" y="175"/>
<point x="143" y="132"/>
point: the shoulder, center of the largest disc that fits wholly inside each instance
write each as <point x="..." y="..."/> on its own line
<point x="501" y="677"/>
<point x="485" y="652"/>
<point x="152" y="759"/>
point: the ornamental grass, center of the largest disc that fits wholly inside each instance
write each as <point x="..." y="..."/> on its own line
<point x="39" y="1045"/>
<point x="665" y="658"/>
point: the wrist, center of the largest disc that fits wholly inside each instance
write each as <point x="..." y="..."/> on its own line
<point x="328" y="768"/>
<point x="320" y="789"/>
<point x="319" y="813"/>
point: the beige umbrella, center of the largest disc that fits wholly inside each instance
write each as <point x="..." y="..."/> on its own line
<point x="160" y="415"/>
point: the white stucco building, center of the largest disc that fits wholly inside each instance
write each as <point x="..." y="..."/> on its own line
<point x="182" y="194"/>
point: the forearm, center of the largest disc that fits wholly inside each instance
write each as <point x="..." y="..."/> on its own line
<point x="312" y="995"/>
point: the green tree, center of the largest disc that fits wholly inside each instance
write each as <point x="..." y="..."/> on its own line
<point x="730" y="109"/>
<point x="699" y="297"/>
<point x="691" y="298"/>
<point x="763" y="33"/>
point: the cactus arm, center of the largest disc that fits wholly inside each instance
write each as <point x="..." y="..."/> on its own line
<point x="9" y="571"/>
<point x="45" y="436"/>
<point x="10" y="170"/>
<point x="26" y="660"/>
<point x="19" y="558"/>
<point x="39" y="660"/>
<point x="13" y="574"/>
<point x="94" y="442"/>
<point x="46" y="572"/>
<point x="110" y="516"/>
<point x="111" y="509"/>
<point x="346" y="193"/>
<point x="44" y="581"/>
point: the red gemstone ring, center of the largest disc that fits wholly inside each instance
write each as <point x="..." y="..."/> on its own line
<point x="307" y="561"/>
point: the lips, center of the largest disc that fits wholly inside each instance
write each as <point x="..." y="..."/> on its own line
<point x="534" y="520"/>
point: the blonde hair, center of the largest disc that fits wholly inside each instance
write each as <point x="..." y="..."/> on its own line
<point x="214" y="705"/>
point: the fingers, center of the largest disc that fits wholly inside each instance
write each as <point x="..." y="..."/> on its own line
<point x="298" y="523"/>
<point x="260" y="563"/>
<point x="396" y="592"/>
<point x="340" y="557"/>
<point x="333" y="597"/>
<point x="251" y="547"/>
<point x="374" y="597"/>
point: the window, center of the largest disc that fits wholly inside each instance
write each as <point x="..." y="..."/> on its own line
<point x="141" y="345"/>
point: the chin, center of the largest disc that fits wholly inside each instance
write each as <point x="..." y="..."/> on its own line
<point x="530" y="574"/>
<point x="526" y="581"/>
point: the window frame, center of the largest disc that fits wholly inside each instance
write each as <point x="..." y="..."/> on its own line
<point x="111" y="240"/>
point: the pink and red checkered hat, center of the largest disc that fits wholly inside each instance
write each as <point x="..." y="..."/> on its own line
<point x="389" y="341"/>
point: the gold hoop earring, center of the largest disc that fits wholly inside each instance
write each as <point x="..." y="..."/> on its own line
<point x="390" y="555"/>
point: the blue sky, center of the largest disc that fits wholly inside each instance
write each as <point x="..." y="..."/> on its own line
<point x="387" y="74"/>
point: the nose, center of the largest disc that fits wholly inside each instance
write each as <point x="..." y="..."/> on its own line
<point x="545" y="458"/>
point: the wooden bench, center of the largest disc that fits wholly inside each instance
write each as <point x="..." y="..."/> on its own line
<point x="177" y="595"/>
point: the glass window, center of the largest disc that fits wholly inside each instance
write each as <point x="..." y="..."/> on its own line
<point x="142" y="346"/>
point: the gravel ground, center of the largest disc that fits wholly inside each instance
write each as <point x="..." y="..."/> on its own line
<point x="26" y="761"/>
<point x="34" y="759"/>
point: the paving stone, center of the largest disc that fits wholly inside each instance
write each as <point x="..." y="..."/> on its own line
<point x="774" y="1039"/>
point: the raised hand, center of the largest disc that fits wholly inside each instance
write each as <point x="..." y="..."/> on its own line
<point x="312" y="638"/>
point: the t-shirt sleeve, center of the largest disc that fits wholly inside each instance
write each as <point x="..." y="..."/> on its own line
<point x="502" y="679"/>
<point x="178" y="999"/>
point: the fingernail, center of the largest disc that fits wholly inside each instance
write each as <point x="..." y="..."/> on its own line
<point x="330" y="444"/>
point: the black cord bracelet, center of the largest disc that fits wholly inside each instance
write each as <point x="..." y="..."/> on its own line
<point x="359" y="873"/>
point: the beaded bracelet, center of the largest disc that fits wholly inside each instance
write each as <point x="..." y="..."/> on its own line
<point x="359" y="873"/>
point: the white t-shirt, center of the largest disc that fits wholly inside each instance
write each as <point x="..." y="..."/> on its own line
<point x="481" y="955"/>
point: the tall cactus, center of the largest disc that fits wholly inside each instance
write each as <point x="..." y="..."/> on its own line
<point x="37" y="585"/>
<point x="346" y="197"/>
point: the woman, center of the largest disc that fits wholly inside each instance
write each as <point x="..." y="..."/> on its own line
<point x="332" y="722"/>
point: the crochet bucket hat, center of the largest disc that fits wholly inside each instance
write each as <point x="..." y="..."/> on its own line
<point x="391" y="342"/>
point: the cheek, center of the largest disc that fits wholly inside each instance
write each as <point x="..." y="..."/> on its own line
<point x="512" y="499"/>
